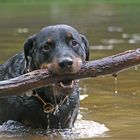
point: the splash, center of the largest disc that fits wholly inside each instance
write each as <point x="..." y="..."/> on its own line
<point x="82" y="129"/>
<point x="89" y="129"/>
<point x="13" y="129"/>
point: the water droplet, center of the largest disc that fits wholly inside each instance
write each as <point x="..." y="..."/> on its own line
<point x="116" y="91"/>
<point x="60" y="127"/>
<point x="115" y="83"/>
<point x="68" y="102"/>
<point x="48" y="118"/>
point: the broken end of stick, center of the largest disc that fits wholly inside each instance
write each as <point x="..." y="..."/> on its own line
<point x="138" y="51"/>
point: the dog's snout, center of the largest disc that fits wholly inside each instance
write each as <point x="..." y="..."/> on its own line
<point x="65" y="63"/>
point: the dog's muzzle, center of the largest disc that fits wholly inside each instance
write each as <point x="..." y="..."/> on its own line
<point x="62" y="66"/>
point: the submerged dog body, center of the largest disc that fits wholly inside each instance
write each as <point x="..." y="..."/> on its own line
<point x="60" y="49"/>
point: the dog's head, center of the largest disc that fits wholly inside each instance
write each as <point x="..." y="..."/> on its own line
<point x="59" y="48"/>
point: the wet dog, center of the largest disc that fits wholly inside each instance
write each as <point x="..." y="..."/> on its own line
<point x="62" y="50"/>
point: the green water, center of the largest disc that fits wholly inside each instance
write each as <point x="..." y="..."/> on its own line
<point x="110" y="27"/>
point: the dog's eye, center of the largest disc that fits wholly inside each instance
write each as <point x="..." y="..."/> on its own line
<point x="74" y="43"/>
<point x="46" y="47"/>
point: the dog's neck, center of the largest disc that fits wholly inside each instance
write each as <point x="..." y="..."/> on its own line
<point x="50" y="100"/>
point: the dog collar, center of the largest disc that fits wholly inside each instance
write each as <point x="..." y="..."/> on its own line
<point x="49" y="107"/>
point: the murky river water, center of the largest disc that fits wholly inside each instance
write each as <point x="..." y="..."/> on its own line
<point x="110" y="27"/>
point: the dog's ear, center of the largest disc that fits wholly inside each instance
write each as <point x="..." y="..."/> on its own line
<point x="28" y="50"/>
<point x="86" y="47"/>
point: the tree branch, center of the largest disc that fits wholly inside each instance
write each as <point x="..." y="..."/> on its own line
<point x="40" y="78"/>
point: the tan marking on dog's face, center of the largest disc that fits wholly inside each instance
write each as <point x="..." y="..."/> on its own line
<point x="45" y="66"/>
<point x="69" y="35"/>
<point x="49" y="40"/>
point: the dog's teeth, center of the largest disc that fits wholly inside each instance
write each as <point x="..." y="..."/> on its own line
<point x="67" y="86"/>
<point x="61" y="84"/>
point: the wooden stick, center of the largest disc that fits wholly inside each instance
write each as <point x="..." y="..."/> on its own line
<point x="40" y="78"/>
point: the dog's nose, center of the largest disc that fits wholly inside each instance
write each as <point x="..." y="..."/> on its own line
<point x="65" y="63"/>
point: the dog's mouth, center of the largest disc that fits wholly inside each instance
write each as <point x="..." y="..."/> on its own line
<point x="66" y="84"/>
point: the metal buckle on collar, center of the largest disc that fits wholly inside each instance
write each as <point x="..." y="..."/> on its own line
<point x="48" y="108"/>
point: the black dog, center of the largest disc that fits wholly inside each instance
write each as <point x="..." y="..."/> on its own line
<point x="61" y="49"/>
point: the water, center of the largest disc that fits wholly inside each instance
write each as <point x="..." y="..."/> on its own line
<point x="111" y="27"/>
<point x="82" y="129"/>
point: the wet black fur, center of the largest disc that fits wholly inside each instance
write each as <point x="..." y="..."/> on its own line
<point x="28" y="109"/>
